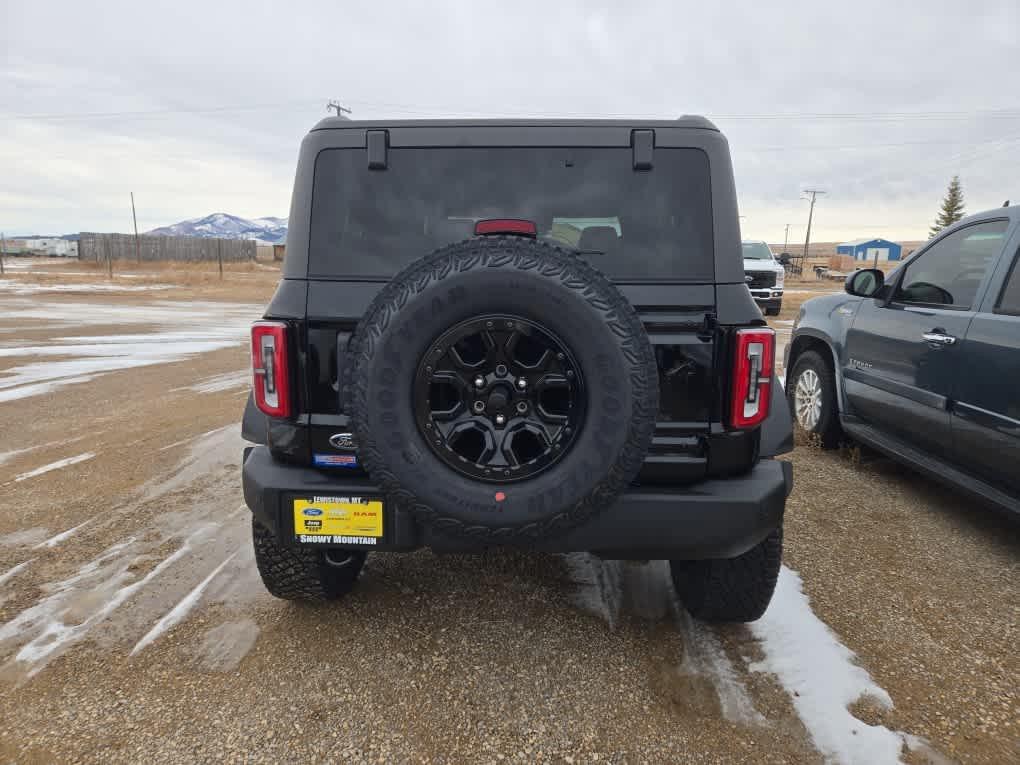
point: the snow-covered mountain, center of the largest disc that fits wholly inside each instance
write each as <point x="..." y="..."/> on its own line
<point x="226" y="226"/>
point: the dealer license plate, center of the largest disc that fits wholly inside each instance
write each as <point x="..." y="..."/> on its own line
<point x="338" y="520"/>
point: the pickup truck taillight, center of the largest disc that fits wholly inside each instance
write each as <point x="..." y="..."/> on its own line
<point x="753" y="365"/>
<point x="270" y="373"/>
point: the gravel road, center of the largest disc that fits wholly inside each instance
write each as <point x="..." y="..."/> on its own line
<point x="133" y="627"/>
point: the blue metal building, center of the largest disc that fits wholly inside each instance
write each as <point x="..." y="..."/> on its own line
<point x="865" y="249"/>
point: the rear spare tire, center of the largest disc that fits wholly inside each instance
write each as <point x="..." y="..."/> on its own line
<point x="502" y="388"/>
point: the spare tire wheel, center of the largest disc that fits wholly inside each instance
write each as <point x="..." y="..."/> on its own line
<point x="502" y="387"/>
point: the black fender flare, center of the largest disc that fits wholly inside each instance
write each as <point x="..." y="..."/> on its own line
<point x="836" y="366"/>
<point x="254" y="424"/>
<point x="776" y="435"/>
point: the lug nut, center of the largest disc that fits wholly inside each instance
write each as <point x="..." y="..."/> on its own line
<point x="522" y="406"/>
<point x="521" y="383"/>
<point x="501" y="370"/>
<point x="500" y="419"/>
<point x="479" y="382"/>
<point x="479" y="406"/>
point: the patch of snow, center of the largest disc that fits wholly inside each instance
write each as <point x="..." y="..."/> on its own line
<point x="58" y="538"/>
<point x="217" y="383"/>
<point x="607" y="588"/>
<point x="13" y="572"/>
<point x="183" y="330"/>
<point x="8" y="456"/>
<point x="22" y="288"/>
<point x="181" y="610"/>
<point x="24" y="537"/>
<point x="224" y="646"/>
<point x="54" y="466"/>
<point x="822" y="678"/>
<point x="705" y="656"/>
<point x="47" y="617"/>
<point x="210" y="451"/>
<point x="599" y="589"/>
<point x="38" y="389"/>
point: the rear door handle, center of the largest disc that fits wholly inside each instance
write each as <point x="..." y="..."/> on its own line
<point x="938" y="338"/>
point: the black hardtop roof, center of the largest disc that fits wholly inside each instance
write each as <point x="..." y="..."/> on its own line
<point x="687" y="121"/>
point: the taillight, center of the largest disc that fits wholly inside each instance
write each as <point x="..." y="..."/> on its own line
<point x="270" y="373"/>
<point x="753" y="364"/>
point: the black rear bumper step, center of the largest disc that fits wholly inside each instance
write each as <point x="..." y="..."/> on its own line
<point x="711" y="519"/>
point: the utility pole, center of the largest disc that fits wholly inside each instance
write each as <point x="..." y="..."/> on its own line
<point x="340" y="108"/>
<point x="138" y="252"/>
<point x="807" y="239"/>
<point x="786" y="238"/>
<point x="3" y="251"/>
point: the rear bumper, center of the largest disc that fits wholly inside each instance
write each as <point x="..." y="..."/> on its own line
<point x="711" y="519"/>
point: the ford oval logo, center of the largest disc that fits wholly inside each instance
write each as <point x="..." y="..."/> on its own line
<point x="312" y="511"/>
<point x="344" y="441"/>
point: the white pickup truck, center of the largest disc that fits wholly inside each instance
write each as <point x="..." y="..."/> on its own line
<point x="764" y="276"/>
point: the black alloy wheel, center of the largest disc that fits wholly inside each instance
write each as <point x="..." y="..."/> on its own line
<point x="499" y="398"/>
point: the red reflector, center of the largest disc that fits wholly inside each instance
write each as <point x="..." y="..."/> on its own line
<point x="506" y="226"/>
<point x="270" y="370"/>
<point x="753" y="366"/>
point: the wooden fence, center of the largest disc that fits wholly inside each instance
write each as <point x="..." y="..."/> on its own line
<point x="100" y="248"/>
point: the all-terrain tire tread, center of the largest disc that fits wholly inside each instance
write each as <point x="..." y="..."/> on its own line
<point x="731" y="590"/>
<point x="295" y="573"/>
<point x="572" y="273"/>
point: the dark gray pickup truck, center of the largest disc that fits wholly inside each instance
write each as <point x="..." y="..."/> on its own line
<point x="517" y="333"/>
<point x="924" y="365"/>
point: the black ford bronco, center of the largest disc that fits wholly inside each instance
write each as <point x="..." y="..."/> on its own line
<point x="517" y="333"/>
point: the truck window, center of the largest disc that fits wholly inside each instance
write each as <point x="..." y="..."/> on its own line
<point x="1009" y="300"/>
<point x="631" y="225"/>
<point x="950" y="271"/>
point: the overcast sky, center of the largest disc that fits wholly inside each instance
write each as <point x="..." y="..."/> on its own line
<point x="199" y="107"/>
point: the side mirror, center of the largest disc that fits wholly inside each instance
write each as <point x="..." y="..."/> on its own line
<point x="865" y="283"/>
<point x="784" y="259"/>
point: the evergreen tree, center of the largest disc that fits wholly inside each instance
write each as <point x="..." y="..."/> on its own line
<point x="952" y="207"/>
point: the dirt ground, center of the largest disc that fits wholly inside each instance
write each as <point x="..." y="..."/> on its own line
<point x="133" y="626"/>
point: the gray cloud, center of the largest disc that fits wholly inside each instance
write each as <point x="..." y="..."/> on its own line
<point x="205" y="103"/>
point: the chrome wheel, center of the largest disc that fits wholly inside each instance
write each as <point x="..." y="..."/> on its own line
<point x="807" y="399"/>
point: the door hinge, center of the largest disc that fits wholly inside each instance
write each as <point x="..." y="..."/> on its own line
<point x="706" y="331"/>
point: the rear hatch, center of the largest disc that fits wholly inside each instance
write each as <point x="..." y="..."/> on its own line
<point x="649" y="229"/>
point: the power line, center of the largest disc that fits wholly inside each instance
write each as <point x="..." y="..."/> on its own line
<point x="1008" y="113"/>
<point x="158" y="112"/>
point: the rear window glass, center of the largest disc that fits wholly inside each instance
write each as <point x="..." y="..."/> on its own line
<point x="631" y="225"/>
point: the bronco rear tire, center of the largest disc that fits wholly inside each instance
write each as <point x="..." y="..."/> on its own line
<point x="734" y="590"/>
<point x="298" y="573"/>
<point x="502" y="388"/>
